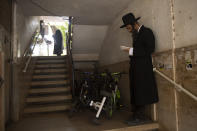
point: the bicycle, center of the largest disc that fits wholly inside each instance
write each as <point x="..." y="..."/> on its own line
<point x="110" y="96"/>
<point x="87" y="91"/>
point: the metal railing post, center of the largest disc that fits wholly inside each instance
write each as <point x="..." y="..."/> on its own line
<point x="70" y="57"/>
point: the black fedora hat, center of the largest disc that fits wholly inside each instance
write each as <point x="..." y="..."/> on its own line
<point x="129" y="19"/>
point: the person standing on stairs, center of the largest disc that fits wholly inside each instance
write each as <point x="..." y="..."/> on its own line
<point x="58" y="40"/>
<point x="143" y="89"/>
<point x="42" y="29"/>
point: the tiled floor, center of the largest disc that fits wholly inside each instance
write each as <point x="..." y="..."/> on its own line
<point x="60" y="122"/>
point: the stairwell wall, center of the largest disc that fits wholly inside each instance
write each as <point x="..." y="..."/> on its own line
<point x="87" y="41"/>
<point x="24" y="27"/>
<point x="173" y="23"/>
<point x="5" y="35"/>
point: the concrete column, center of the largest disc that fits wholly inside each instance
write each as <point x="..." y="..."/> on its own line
<point x="2" y="96"/>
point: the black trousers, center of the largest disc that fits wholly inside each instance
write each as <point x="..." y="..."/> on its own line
<point x="138" y="110"/>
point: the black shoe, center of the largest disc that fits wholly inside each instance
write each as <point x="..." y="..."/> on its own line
<point x="130" y="120"/>
<point x="138" y="120"/>
<point x="134" y="122"/>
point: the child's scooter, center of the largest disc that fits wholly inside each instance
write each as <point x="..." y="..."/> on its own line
<point x="98" y="106"/>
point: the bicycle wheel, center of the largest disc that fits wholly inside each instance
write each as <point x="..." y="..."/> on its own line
<point x="109" y="107"/>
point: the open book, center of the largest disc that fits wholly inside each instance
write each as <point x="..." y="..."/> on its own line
<point x="124" y="47"/>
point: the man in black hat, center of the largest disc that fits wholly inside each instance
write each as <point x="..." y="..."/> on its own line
<point x="143" y="90"/>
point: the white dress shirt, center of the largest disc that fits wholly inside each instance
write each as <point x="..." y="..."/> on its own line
<point x="131" y="49"/>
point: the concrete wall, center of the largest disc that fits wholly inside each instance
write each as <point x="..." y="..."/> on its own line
<point x="5" y="13"/>
<point x="87" y="41"/>
<point x="173" y="23"/>
<point x="158" y="19"/>
<point x="5" y="31"/>
<point x="25" y="26"/>
<point x="21" y="82"/>
<point x="186" y="107"/>
<point x="88" y="12"/>
<point x="185" y="21"/>
<point x="2" y="102"/>
<point x="24" y="29"/>
<point x="5" y="75"/>
<point x="166" y="114"/>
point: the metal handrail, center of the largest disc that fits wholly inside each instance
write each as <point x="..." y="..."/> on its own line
<point x="70" y="56"/>
<point x="73" y="72"/>
<point x="1" y="82"/>
<point x="178" y="87"/>
<point x="35" y="37"/>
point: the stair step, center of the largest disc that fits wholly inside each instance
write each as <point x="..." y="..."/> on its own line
<point x="50" y="70"/>
<point x="50" y="76"/>
<point x="44" y="63"/>
<point x="51" y="57"/>
<point x="34" y="83"/>
<point x="50" y="66"/>
<point x="51" y="61"/>
<point x="49" y="108"/>
<point x="46" y="94"/>
<point x="49" y="90"/>
<point x="48" y="98"/>
<point x="63" y="102"/>
<point x="51" y="86"/>
<point x="145" y="127"/>
<point x="42" y="94"/>
<point x="50" y="73"/>
<point x="47" y="68"/>
<point x="50" y="79"/>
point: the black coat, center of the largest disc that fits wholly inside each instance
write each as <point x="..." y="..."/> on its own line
<point x="142" y="80"/>
<point x="58" y="43"/>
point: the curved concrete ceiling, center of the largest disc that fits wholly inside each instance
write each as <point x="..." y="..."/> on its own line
<point x="86" y="12"/>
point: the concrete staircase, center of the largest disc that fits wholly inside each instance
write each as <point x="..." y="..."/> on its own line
<point x="50" y="87"/>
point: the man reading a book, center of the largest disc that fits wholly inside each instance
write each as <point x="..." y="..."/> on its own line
<point x="143" y="89"/>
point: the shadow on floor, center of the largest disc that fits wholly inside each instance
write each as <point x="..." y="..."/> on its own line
<point x="82" y="121"/>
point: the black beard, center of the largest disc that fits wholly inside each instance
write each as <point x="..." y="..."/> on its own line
<point x="134" y="35"/>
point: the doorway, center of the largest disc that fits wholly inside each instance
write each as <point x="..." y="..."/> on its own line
<point x="46" y="41"/>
